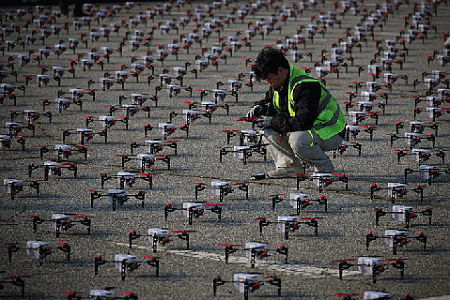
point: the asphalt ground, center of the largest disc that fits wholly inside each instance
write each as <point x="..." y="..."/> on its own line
<point x="188" y="274"/>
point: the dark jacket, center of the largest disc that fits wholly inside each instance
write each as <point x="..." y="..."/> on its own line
<point x="306" y="96"/>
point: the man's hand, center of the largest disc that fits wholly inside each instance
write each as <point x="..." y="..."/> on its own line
<point x="255" y="111"/>
<point x="264" y="122"/>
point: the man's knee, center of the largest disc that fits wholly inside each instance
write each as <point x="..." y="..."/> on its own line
<point x="300" y="139"/>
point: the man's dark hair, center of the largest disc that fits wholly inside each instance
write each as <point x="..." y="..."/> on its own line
<point x="268" y="61"/>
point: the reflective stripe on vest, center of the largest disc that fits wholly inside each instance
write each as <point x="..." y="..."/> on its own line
<point x="330" y="119"/>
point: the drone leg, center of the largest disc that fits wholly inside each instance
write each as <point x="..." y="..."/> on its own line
<point x="286" y="230"/>
<point x="123" y="269"/>
<point x="154" y="243"/>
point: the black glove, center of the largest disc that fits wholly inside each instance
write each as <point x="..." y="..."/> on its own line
<point x="255" y="111"/>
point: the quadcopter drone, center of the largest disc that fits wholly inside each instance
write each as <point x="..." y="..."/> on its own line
<point x="221" y="188"/>
<point x="194" y="210"/>
<point x="63" y="222"/>
<point x="38" y="250"/>
<point x="127" y="179"/>
<point x="14" y="186"/>
<point x="372" y="266"/>
<point x="106" y="293"/>
<point x="299" y="201"/>
<point x="117" y="197"/>
<point x="255" y="251"/>
<point x="146" y="160"/>
<point x="52" y="168"/>
<point x="396" y="190"/>
<point x="126" y="263"/>
<point x="161" y="237"/>
<point x="322" y="180"/>
<point x="403" y="214"/>
<point x="396" y="239"/>
<point x="247" y="282"/>
<point x="288" y="224"/>
<point x="85" y="134"/>
<point x="428" y="172"/>
<point x="372" y="295"/>
<point x="62" y="151"/>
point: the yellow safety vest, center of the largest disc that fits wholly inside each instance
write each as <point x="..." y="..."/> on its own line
<point x="330" y="119"/>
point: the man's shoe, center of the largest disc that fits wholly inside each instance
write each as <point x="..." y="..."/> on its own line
<point x="282" y="173"/>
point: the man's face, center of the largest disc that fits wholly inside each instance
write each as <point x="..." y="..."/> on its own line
<point x="276" y="80"/>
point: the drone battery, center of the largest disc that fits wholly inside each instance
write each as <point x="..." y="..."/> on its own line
<point x="376" y="295"/>
<point x="5" y="141"/>
<point x="395" y="188"/>
<point x="321" y="179"/>
<point x="240" y="278"/>
<point x="145" y="160"/>
<point x="166" y="129"/>
<point x="106" y="121"/>
<point x="158" y="232"/>
<point x="85" y="134"/>
<point x="356" y="116"/>
<point x="189" y="115"/>
<point x="321" y="71"/>
<point x="13" y="127"/>
<point x="365" y="264"/>
<point x="179" y="71"/>
<point x="330" y="65"/>
<point x="430" y="82"/>
<point x="105" y="82"/>
<point x="138" y="99"/>
<point x="119" y="196"/>
<point x="374" y="69"/>
<point x="191" y="206"/>
<point x="63" y="149"/>
<point x="218" y="94"/>
<point x="256" y="246"/>
<point x="31" y="115"/>
<point x="121" y="75"/>
<point x="412" y="138"/>
<point x="434" y="112"/>
<point x="62" y="103"/>
<point x="367" y="96"/>
<point x="153" y="146"/>
<point x="250" y="136"/>
<point x="390" y="78"/>
<point x="297" y="197"/>
<point x="54" y="168"/>
<point x="208" y="105"/>
<point x="218" y="186"/>
<point x="6" y="88"/>
<point x="399" y="212"/>
<point x="373" y="86"/>
<point x="391" y="234"/>
<point x="438" y="74"/>
<point x="137" y="67"/>
<point x="119" y="258"/>
<point x="129" y="109"/>
<point x="234" y="84"/>
<point x="352" y="128"/>
<point x="416" y="126"/>
<point x="239" y="151"/>
<point x="443" y="92"/>
<point x="282" y="220"/>
<point x="336" y="51"/>
<point x="12" y="184"/>
<point x="419" y="154"/>
<point x="33" y="248"/>
<point x="201" y="65"/>
<point x="127" y="178"/>
<point x="60" y="218"/>
<point x="366" y="104"/>
<point x="102" y="294"/>
<point x="426" y="172"/>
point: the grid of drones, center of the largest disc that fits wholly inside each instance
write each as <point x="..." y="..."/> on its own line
<point x="129" y="171"/>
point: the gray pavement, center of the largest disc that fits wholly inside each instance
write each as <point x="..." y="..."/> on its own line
<point x="188" y="274"/>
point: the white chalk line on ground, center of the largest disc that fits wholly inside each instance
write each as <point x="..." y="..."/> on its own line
<point x="286" y="269"/>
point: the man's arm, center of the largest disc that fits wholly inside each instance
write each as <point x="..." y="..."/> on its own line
<point x="306" y="97"/>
